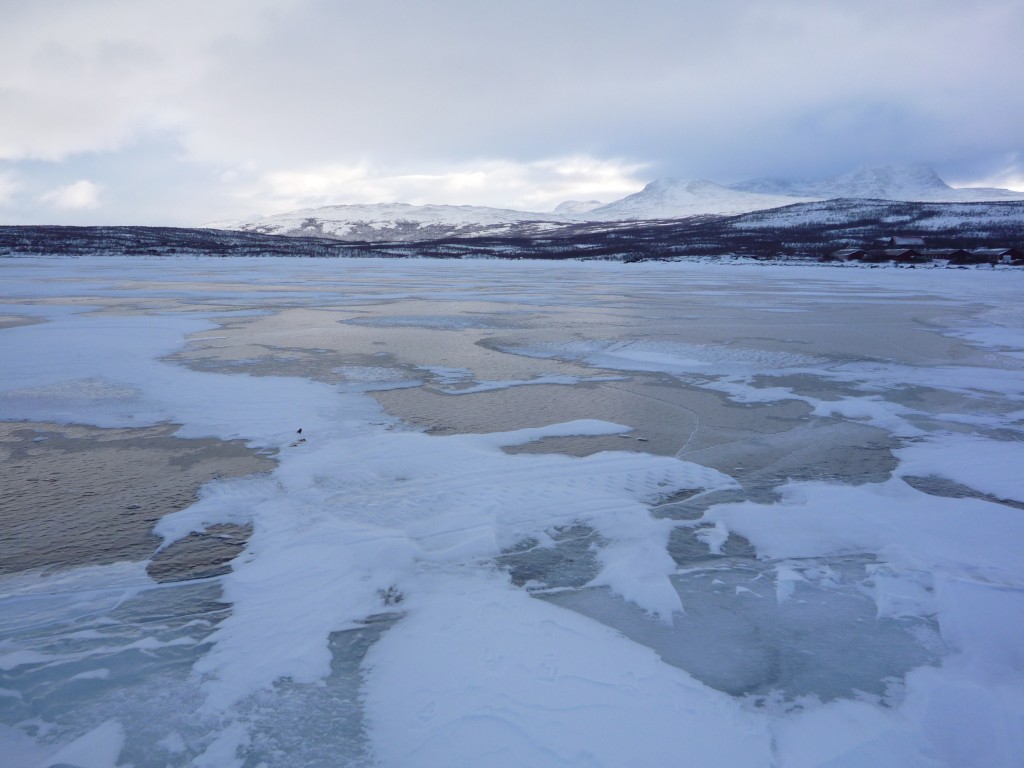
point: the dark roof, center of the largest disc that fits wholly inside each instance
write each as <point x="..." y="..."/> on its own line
<point x="993" y="252"/>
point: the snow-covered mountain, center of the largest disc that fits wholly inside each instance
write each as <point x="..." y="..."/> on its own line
<point x="661" y="199"/>
<point x="807" y="230"/>
<point x="675" y="199"/>
<point x="908" y="183"/>
<point x="397" y="221"/>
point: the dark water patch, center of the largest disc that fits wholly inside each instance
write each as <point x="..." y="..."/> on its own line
<point x="940" y="486"/>
<point x="826" y="450"/>
<point x="688" y="549"/>
<point x="569" y="560"/>
<point x="664" y="414"/>
<point x="200" y="555"/>
<point x="359" y="371"/>
<point x="317" y="726"/>
<point x="317" y="364"/>
<point x="740" y="635"/>
<point x="822" y="449"/>
<point x="15" y="321"/>
<point x="74" y="495"/>
<point x="582" y="445"/>
<point x="808" y="385"/>
<point x="437" y="322"/>
<point x="694" y="507"/>
<point x="677" y="497"/>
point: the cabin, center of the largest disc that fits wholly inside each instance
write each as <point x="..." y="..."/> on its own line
<point x="904" y="256"/>
<point x="954" y="255"/>
<point x="848" y="254"/>
<point x="919" y="255"/>
<point x="961" y="256"/>
<point x="996" y="255"/>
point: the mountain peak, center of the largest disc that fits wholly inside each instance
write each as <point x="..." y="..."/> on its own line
<point x="913" y="181"/>
<point x="915" y="177"/>
<point x="669" y="198"/>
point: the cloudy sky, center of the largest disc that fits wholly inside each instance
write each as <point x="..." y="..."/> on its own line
<point x="187" y="111"/>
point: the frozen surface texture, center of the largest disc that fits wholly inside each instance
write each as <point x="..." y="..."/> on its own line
<point x="527" y="514"/>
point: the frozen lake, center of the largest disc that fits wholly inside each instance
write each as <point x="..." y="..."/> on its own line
<point x="566" y="514"/>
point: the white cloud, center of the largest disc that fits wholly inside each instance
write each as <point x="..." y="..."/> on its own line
<point x="537" y="186"/>
<point x="293" y="83"/>
<point x="1009" y="176"/>
<point x="308" y="102"/>
<point x="726" y="89"/>
<point x="1015" y="182"/>
<point x="79" y="195"/>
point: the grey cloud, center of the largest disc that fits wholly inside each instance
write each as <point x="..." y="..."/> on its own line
<point x="456" y="80"/>
<point x="724" y="90"/>
<point x="91" y="75"/>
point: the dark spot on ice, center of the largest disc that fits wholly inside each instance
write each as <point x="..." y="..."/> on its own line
<point x="390" y="596"/>
<point x="570" y="562"/>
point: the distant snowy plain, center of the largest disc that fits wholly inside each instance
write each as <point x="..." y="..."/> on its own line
<point x="814" y="562"/>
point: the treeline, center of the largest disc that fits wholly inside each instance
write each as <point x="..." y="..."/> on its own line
<point x="159" y="241"/>
<point x="804" y="230"/>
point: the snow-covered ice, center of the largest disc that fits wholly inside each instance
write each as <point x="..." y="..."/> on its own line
<point x="676" y="513"/>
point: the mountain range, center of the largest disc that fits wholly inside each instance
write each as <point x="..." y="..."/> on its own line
<point x="663" y="199"/>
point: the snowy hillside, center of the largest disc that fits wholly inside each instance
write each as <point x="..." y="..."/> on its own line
<point x="661" y="199"/>
<point x="675" y="199"/>
<point x="891" y="216"/>
<point x="811" y="229"/>
<point x="909" y="183"/>
<point x="575" y="207"/>
<point x="396" y="221"/>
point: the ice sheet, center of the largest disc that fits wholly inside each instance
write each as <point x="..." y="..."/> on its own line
<point x="365" y="516"/>
<point x="986" y="465"/>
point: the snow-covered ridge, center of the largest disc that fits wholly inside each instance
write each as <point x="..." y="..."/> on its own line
<point x="661" y="199"/>
<point x="673" y="199"/>
<point x="372" y="221"/>
<point x="905" y="183"/>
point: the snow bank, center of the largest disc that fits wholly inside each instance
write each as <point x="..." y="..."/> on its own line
<point x="515" y="681"/>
